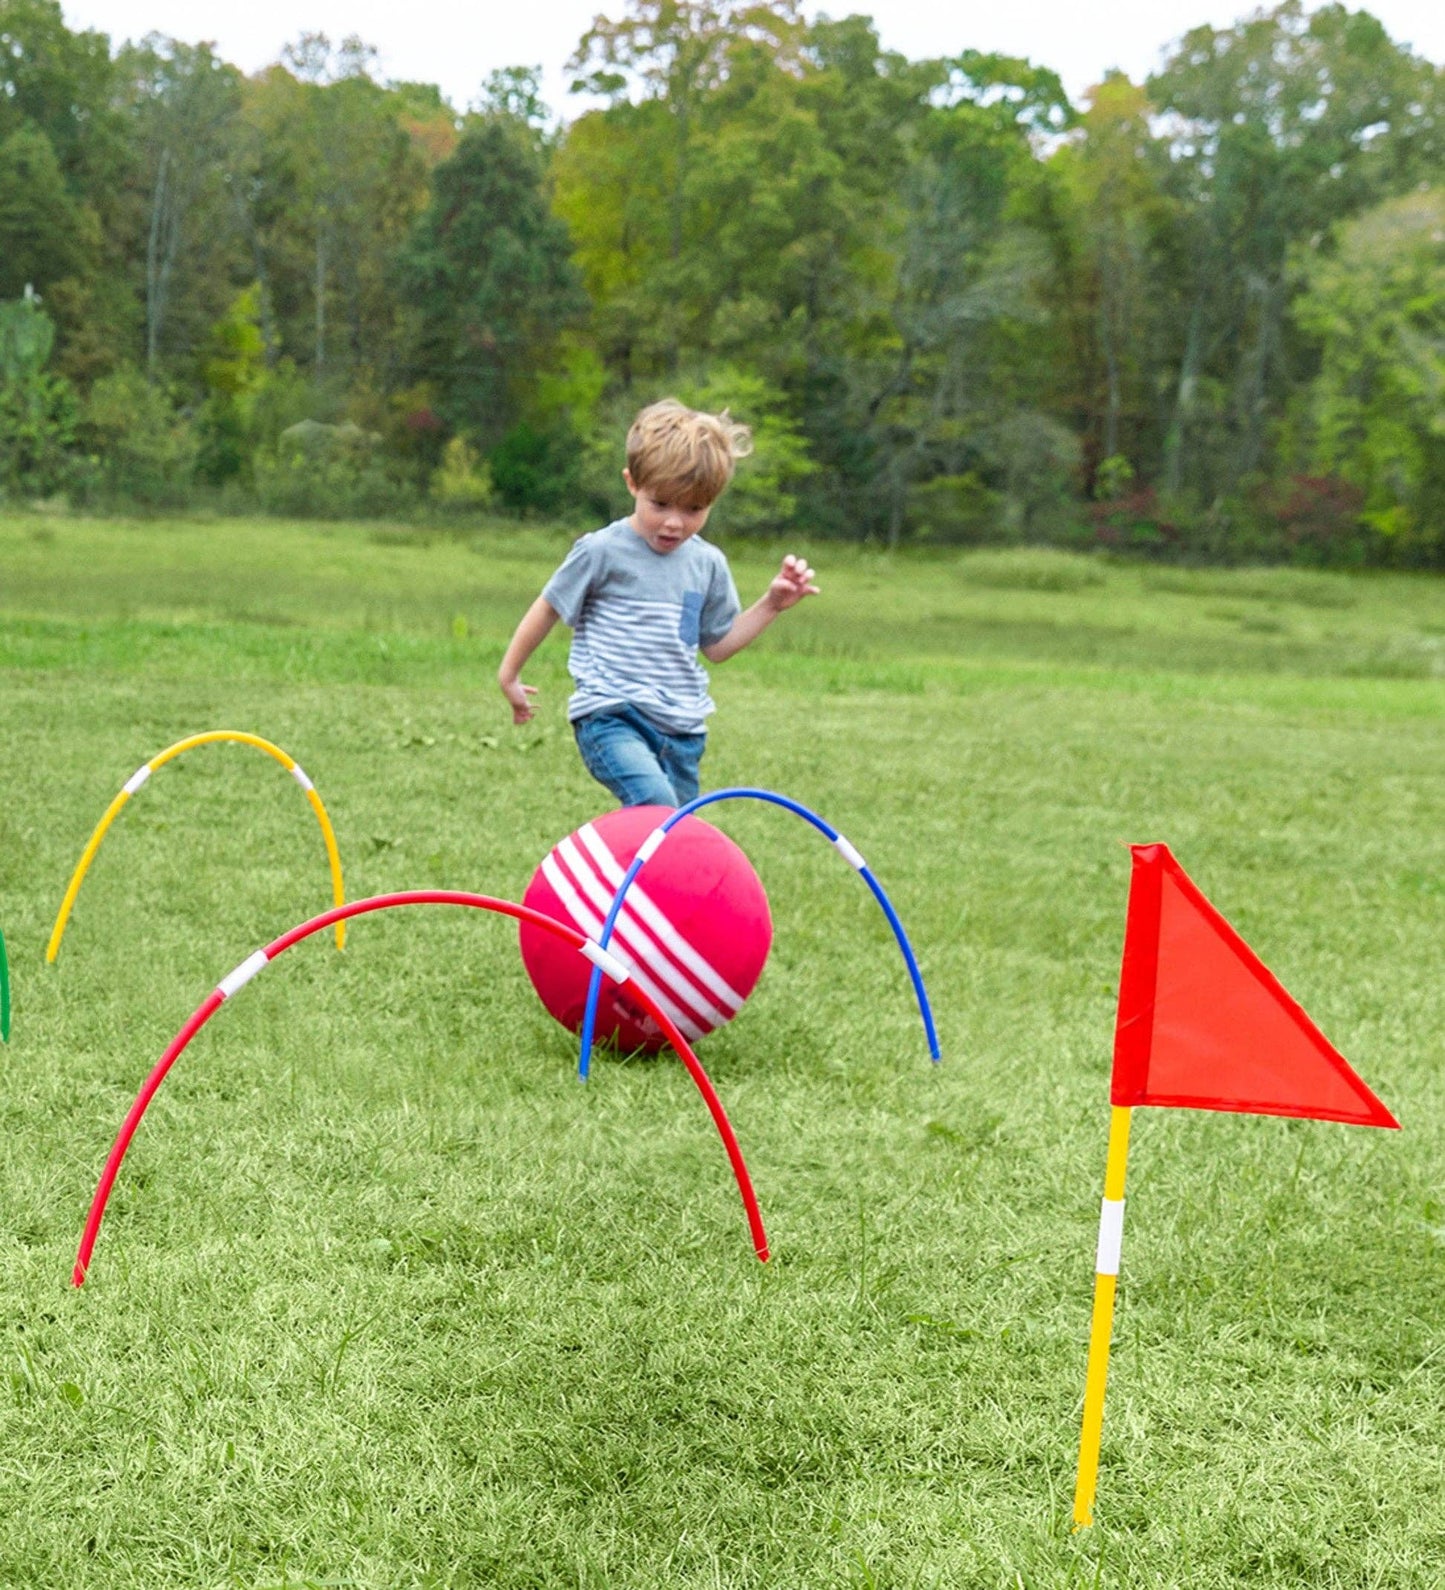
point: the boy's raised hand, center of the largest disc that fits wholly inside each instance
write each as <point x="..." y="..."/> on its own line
<point x="791" y="584"/>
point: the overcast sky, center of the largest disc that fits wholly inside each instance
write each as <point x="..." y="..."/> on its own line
<point x="440" y="41"/>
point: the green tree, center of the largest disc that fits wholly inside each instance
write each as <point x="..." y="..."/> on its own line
<point x="515" y="92"/>
<point x="336" y="185"/>
<point x="63" y="85"/>
<point x="1113" y="217"/>
<point x="611" y="190"/>
<point x="1376" y="305"/>
<point x="144" y="450"/>
<point x="677" y="52"/>
<point x="45" y="235"/>
<point x="1278" y="127"/>
<point x="234" y="371"/>
<point x="741" y="208"/>
<point x="943" y="399"/>
<point x="489" y="280"/>
<point x="186" y="104"/>
<point x="696" y="128"/>
<point x="762" y="496"/>
<point x="37" y="409"/>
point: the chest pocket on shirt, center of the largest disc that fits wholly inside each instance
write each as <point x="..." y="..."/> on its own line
<point x="689" y="622"/>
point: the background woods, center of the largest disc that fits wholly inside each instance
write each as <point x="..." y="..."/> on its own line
<point x="1202" y="315"/>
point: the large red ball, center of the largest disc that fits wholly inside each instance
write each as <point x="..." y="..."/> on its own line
<point x="695" y="929"/>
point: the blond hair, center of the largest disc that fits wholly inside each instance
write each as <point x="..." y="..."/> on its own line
<point x="691" y="454"/>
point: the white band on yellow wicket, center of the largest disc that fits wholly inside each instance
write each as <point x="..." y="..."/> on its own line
<point x="1111" y="1237"/>
<point x="134" y="782"/>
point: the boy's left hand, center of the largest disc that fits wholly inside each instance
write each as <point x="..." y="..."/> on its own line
<point x="791" y="584"/>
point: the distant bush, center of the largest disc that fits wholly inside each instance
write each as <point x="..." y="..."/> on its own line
<point x="954" y="508"/>
<point x="1137" y="522"/>
<point x="329" y="472"/>
<point x="534" y="468"/>
<point x="1146" y="524"/>
<point x="143" y="449"/>
<point x="463" y="480"/>
<point x="1321" y="519"/>
<point x="1038" y="459"/>
<point x="38" y="420"/>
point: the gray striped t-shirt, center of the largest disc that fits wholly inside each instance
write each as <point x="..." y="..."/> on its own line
<point x="638" y="618"/>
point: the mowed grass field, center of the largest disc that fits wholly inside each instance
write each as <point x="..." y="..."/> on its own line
<point x="385" y="1298"/>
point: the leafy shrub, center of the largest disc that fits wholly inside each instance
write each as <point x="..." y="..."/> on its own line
<point x="143" y="449"/>
<point x="534" y="468"/>
<point x="282" y="398"/>
<point x="233" y="368"/>
<point x="1138" y="522"/>
<point x="37" y="431"/>
<point x="462" y="480"/>
<point x="1113" y="478"/>
<point x="1321" y="519"/>
<point x="600" y="492"/>
<point x="954" y="508"/>
<point x="328" y="472"/>
<point x="421" y="436"/>
<point x="1038" y="458"/>
<point x="1375" y="302"/>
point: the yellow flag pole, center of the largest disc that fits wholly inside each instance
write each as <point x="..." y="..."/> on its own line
<point x="1106" y="1278"/>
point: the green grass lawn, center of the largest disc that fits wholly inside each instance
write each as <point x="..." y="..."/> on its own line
<point x="384" y="1298"/>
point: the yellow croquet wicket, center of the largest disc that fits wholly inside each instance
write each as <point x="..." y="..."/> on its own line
<point x="142" y="774"/>
<point x="1106" y="1279"/>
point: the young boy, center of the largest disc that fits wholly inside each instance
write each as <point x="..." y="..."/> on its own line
<point x="642" y="598"/>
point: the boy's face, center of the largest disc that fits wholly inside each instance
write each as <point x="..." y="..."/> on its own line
<point x="663" y="522"/>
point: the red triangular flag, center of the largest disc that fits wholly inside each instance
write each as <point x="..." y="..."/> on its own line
<point x="1204" y="1025"/>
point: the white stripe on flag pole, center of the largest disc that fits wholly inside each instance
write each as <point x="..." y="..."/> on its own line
<point x="1111" y="1237"/>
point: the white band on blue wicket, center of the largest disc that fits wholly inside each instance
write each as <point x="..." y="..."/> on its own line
<point x="848" y="853"/>
<point x="243" y="974"/>
<point x="605" y="959"/>
<point x="651" y="845"/>
<point x="134" y="782"/>
<point x="1111" y="1237"/>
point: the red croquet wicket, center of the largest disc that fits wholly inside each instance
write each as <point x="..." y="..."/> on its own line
<point x="248" y="968"/>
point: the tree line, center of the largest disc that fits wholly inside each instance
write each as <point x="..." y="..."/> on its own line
<point x="1200" y="315"/>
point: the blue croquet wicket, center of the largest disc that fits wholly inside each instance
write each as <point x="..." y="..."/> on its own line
<point x="653" y="843"/>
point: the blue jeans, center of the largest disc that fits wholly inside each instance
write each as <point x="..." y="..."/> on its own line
<point x="641" y="764"/>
